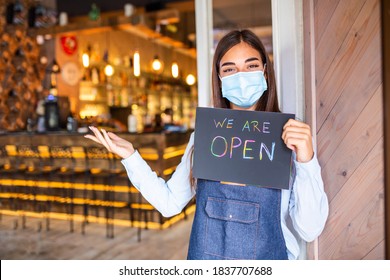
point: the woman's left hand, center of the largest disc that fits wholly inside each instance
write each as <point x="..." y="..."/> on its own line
<point x="297" y="136"/>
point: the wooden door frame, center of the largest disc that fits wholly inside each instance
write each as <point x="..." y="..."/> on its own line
<point x="310" y="89"/>
<point x="204" y="46"/>
<point x="385" y="15"/>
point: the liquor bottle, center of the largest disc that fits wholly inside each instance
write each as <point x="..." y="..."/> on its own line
<point x="71" y="124"/>
<point x="19" y="15"/>
<point x="31" y="18"/>
<point x="41" y="18"/>
<point x="52" y="115"/>
<point x="95" y="75"/>
<point x="110" y="95"/>
<point x="132" y="123"/>
<point x="10" y="13"/>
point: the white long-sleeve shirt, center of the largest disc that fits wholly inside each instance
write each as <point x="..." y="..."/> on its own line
<point x="304" y="206"/>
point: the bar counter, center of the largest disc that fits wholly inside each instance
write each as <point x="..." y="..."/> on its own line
<point x="162" y="150"/>
<point x="63" y="175"/>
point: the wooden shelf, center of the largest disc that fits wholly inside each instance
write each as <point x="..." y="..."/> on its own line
<point x="87" y="26"/>
<point x="133" y="25"/>
<point x="81" y="25"/>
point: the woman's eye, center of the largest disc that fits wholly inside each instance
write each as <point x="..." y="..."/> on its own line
<point x="254" y="66"/>
<point x="228" y="70"/>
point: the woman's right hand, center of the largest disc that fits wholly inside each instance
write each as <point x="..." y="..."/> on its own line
<point x="112" y="142"/>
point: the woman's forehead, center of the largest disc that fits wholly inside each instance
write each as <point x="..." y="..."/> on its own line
<point x="240" y="53"/>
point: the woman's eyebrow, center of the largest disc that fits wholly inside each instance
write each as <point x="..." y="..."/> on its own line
<point x="246" y="61"/>
<point x="251" y="59"/>
<point x="227" y="63"/>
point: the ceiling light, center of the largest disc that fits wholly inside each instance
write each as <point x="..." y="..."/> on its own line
<point x="108" y="70"/>
<point x="175" y="70"/>
<point x="55" y="68"/>
<point x="85" y="59"/>
<point x="137" y="64"/>
<point x="190" y="80"/>
<point x="157" y="64"/>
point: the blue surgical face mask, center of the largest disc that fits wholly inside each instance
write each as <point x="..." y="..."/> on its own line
<point x="244" y="88"/>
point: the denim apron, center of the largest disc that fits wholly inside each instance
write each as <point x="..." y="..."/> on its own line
<point x="236" y="222"/>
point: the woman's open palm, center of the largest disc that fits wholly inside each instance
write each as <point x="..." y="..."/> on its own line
<point x="112" y="142"/>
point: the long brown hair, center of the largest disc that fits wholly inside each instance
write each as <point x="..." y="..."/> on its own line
<point x="269" y="100"/>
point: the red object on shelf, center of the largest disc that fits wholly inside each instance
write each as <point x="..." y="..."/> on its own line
<point x="69" y="44"/>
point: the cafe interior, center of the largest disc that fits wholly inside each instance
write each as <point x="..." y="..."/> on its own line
<point x="130" y="67"/>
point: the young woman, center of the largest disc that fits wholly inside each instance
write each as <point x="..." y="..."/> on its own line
<point x="235" y="221"/>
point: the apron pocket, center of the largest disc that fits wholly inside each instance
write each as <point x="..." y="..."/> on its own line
<point x="231" y="228"/>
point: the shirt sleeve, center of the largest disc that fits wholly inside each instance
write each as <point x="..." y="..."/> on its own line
<point x="308" y="204"/>
<point x="168" y="197"/>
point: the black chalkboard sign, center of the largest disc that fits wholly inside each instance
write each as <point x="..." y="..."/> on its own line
<point x="242" y="146"/>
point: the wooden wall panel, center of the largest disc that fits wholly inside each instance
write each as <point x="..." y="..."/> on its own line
<point x="363" y="32"/>
<point x="336" y="31"/>
<point x="328" y="7"/>
<point x="354" y="147"/>
<point x="352" y="99"/>
<point x="377" y="253"/>
<point x="349" y="120"/>
<point x="355" y="223"/>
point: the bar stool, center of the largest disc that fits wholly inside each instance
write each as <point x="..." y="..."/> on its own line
<point x="39" y="166"/>
<point x="68" y="172"/>
<point x="11" y="168"/>
<point x="120" y="173"/>
<point x="80" y="163"/>
<point x="3" y="165"/>
<point x="99" y="164"/>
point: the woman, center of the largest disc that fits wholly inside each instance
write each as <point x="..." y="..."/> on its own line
<point x="232" y="221"/>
